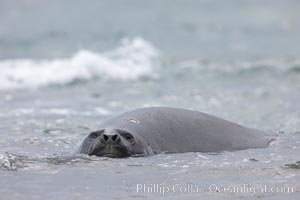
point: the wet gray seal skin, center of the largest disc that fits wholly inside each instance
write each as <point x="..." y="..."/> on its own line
<point x="153" y="130"/>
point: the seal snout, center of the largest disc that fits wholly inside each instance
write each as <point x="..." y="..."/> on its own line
<point x="112" y="138"/>
<point x="109" y="143"/>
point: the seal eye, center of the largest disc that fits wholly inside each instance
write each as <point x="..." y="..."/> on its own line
<point x="129" y="137"/>
<point x="95" y="134"/>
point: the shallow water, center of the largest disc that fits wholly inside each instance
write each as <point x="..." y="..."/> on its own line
<point x="59" y="79"/>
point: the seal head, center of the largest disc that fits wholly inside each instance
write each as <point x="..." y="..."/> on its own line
<point x="114" y="143"/>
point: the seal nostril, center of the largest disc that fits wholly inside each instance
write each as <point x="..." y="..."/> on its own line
<point x="105" y="137"/>
<point x="114" y="137"/>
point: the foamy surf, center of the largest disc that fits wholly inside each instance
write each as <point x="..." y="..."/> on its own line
<point x="131" y="60"/>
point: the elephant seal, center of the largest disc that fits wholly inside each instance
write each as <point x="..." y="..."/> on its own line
<point x="152" y="130"/>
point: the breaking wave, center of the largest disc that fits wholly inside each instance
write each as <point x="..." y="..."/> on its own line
<point x="129" y="61"/>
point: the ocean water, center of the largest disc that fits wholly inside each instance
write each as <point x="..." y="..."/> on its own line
<point x="65" y="66"/>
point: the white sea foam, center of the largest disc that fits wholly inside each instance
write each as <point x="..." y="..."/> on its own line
<point x="131" y="60"/>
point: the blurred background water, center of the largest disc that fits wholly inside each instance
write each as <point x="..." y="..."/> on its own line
<point x="67" y="65"/>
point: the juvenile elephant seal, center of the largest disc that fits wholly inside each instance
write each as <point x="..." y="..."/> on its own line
<point x="153" y="130"/>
